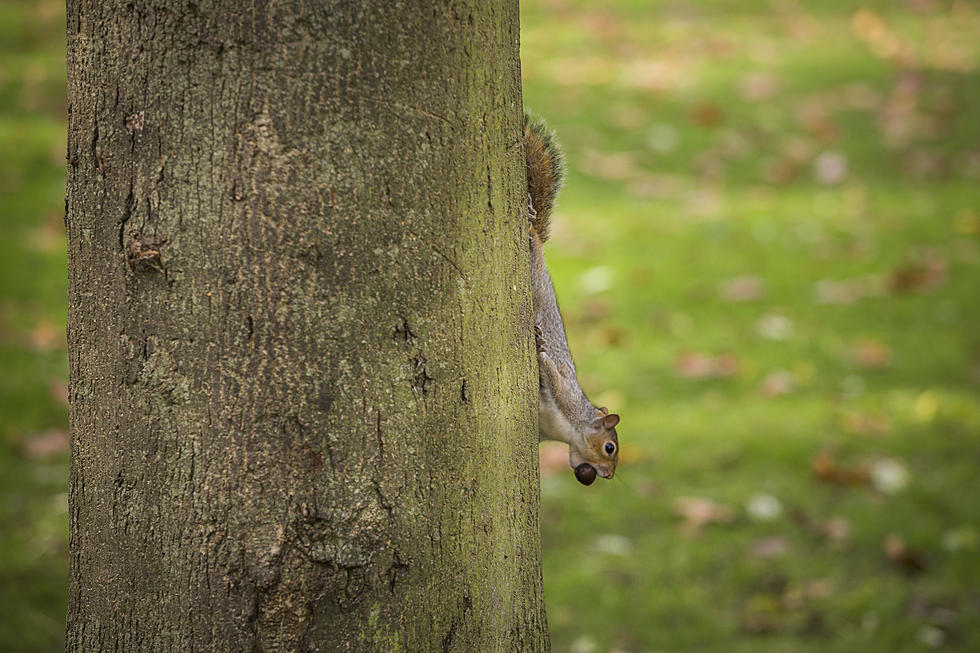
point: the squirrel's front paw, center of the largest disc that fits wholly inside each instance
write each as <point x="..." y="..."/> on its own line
<point x="538" y="338"/>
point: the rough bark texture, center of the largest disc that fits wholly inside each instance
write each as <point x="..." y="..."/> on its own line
<point x="303" y="389"/>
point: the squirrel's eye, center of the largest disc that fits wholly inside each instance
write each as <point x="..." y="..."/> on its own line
<point x="610" y="448"/>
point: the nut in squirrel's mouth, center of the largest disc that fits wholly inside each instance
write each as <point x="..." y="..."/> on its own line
<point x="586" y="474"/>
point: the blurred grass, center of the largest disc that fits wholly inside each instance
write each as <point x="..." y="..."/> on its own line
<point x="818" y="162"/>
<point x="767" y="254"/>
<point x="33" y="416"/>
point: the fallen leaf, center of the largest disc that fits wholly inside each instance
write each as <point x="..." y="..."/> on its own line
<point x="769" y="547"/>
<point x="706" y="114"/>
<point x="696" y="512"/>
<point x="917" y="276"/>
<point x="798" y="596"/>
<point x="778" y="383"/>
<point x="45" y="336"/>
<point x="826" y="469"/>
<point x="871" y="354"/>
<point x="615" y="166"/>
<point x="845" y="292"/>
<point x="830" y="168"/>
<point x="858" y="423"/>
<point x="58" y="390"/>
<point x="837" y="531"/>
<point x="880" y="39"/>
<point x="780" y="170"/>
<point x="45" y="444"/>
<point x="741" y="289"/>
<point x="694" y="365"/>
<point x="49" y="236"/>
<point x="909" y="560"/>
<point x="756" y="87"/>
<point x="611" y="335"/>
<point x="553" y="458"/>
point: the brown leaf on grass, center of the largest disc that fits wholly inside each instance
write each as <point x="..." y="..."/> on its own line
<point x="778" y="383"/>
<point x="693" y="365"/>
<point x="696" y="512"/>
<point x="814" y="115"/>
<point x="759" y="86"/>
<point x="837" y="531"/>
<point x="780" y="170"/>
<point x="906" y="559"/>
<point x="612" y="166"/>
<point x="768" y="547"/>
<point x="858" y="423"/>
<point x="611" y="335"/>
<point x="58" y="390"/>
<point x="595" y="309"/>
<point x="706" y="114"/>
<point x="830" y="168"/>
<point x="797" y="596"/>
<point x="45" y="336"/>
<point x="871" y="354"/>
<point x="883" y="42"/>
<point x="848" y="291"/>
<point x="741" y="289"/>
<point x="917" y="276"/>
<point x="49" y="236"/>
<point x="826" y="469"/>
<point x="45" y="444"/>
<point x="553" y="458"/>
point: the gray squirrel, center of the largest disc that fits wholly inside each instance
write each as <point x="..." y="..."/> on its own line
<point x="564" y="412"/>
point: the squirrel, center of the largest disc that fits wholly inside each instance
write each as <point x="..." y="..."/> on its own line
<point x="564" y="412"/>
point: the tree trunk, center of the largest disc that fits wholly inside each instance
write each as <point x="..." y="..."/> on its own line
<point x="303" y="388"/>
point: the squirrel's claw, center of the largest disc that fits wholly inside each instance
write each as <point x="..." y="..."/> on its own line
<point x="538" y="338"/>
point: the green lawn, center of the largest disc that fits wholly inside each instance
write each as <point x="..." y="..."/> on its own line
<point x="768" y="255"/>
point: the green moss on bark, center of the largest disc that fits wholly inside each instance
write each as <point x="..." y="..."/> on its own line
<point x="303" y="391"/>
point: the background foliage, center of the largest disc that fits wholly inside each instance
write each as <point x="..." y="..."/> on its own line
<point x="768" y="256"/>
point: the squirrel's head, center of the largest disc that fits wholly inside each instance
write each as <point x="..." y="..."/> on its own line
<point x="598" y="451"/>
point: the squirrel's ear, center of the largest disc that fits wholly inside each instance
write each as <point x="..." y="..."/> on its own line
<point x="610" y="421"/>
<point x="603" y="410"/>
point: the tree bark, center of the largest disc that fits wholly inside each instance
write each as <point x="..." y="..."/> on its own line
<point x="303" y="386"/>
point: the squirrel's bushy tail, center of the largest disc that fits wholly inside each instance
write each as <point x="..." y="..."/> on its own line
<point x="545" y="172"/>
